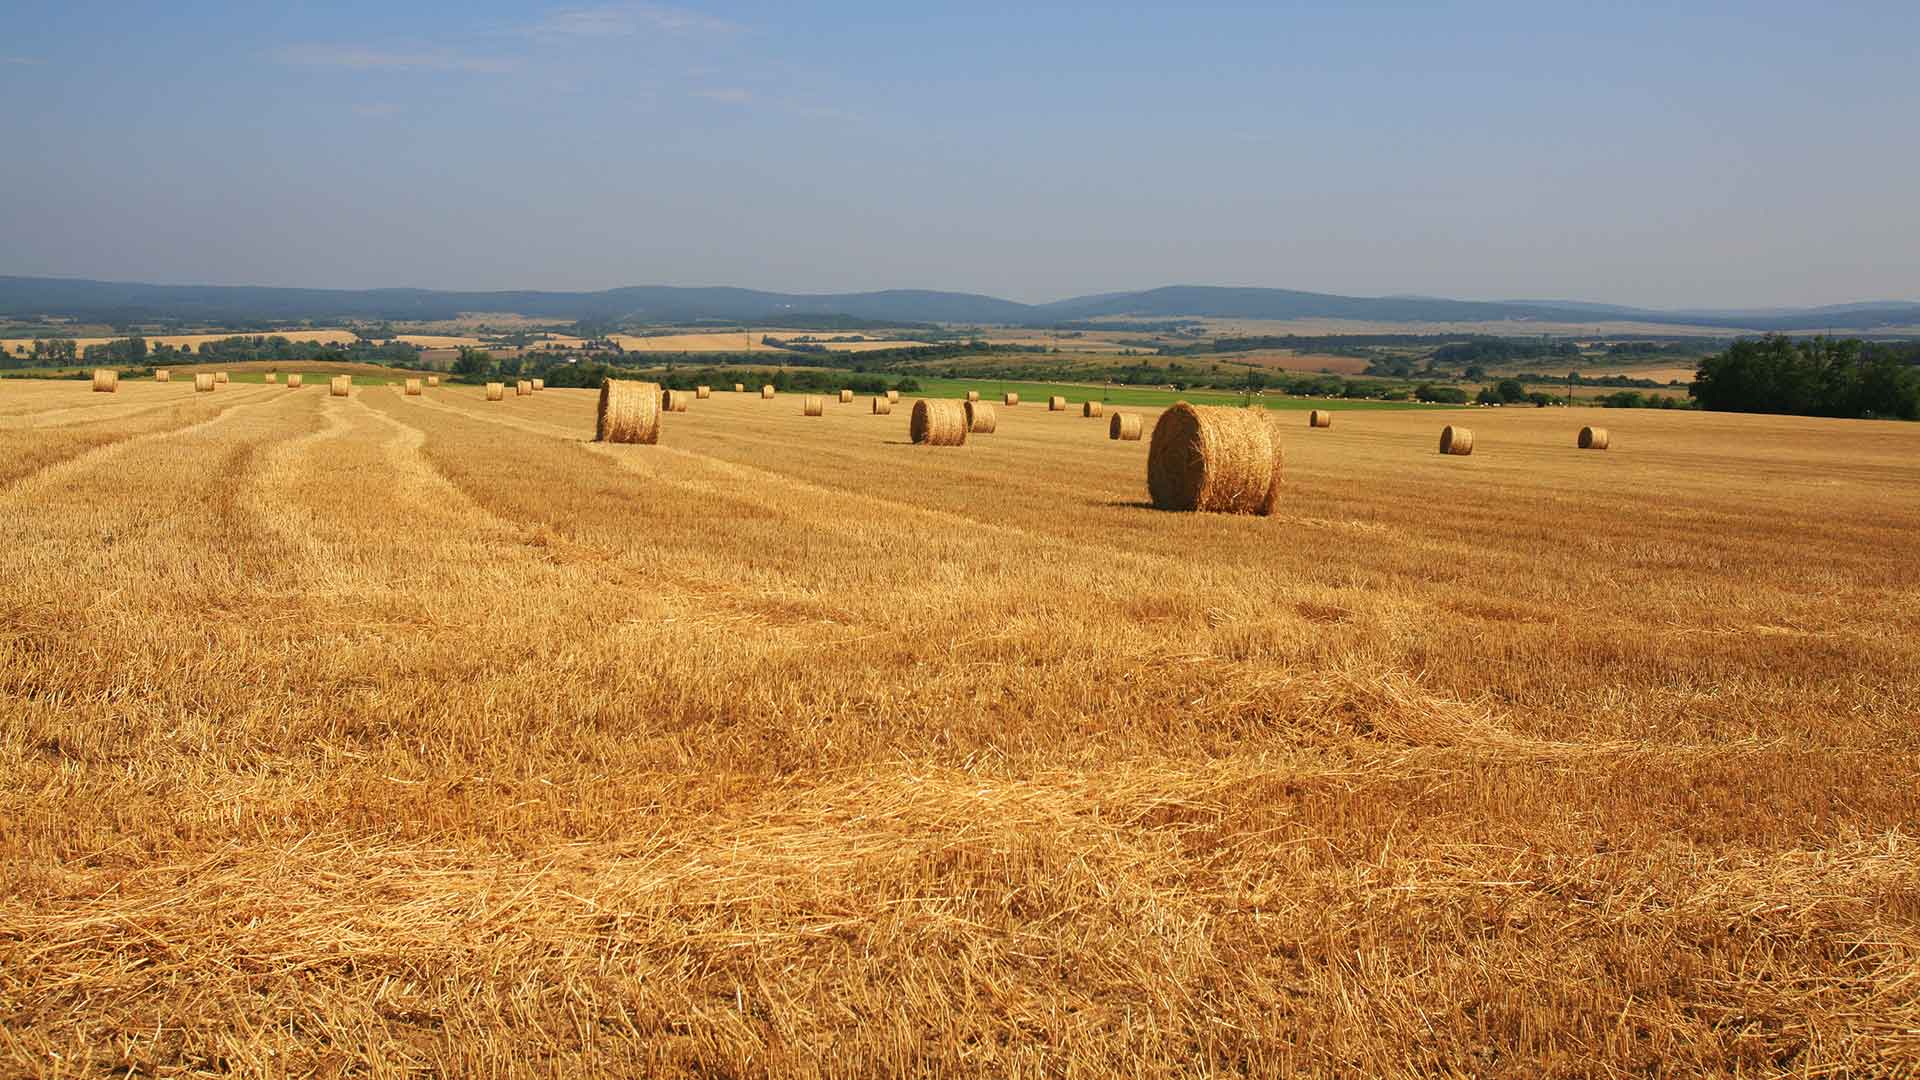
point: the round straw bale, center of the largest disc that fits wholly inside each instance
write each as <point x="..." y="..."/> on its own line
<point x="813" y="405"/>
<point x="1320" y="418"/>
<point x="1125" y="426"/>
<point x="414" y="387"/>
<point x="433" y="380"/>
<point x="893" y="397"/>
<point x="220" y="377"/>
<point x="539" y="385"/>
<point x="1215" y="458"/>
<point x="1457" y="441"/>
<point x="1091" y="408"/>
<point x="938" y="423"/>
<point x="766" y="391"/>
<point x="293" y="382"/>
<point x="629" y="412"/>
<point x="703" y="392"/>
<point x="272" y="377"/>
<point x="523" y="388"/>
<point x="203" y="383"/>
<point x="881" y="406"/>
<point x="1593" y="438"/>
<point x="496" y="391"/>
<point x="1010" y="399"/>
<point x="337" y="386"/>
<point x="739" y="388"/>
<point x="1056" y="403"/>
<point x="162" y="375"/>
<point x="846" y="397"/>
<point x="674" y="400"/>
<point x="973" y="395"/>
<point x="981" y="419"/>
<point x="106" y="381"/>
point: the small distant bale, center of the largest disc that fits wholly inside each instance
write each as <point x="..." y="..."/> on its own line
<point x="293" y="382"/>
<point x="1456" y="441"/>
<point x="846" y="397"/>
<point x="1091" y="408"/>
<point x="893" y="397"/>
<point x="220" y="377"/>
<point x="981" y="419"/>
<point x="674" y="400"/>
<point x="702" y="393"/>
<point x="938" y="423"/>
<point x="1125" y="426"/>
<point x="337" y="386"/>
<point x="203" y="383"/>
<point x="813" y="405"/>
<point x="881" y="406"/>
<point x="162" y="375"/>
<point x="496" y="391"/>
<point x="433" y="380"/>
<point x="629" y="412"/>
<point x="1056" y="403"/>
<point x="739" y="388"/>
<point x="766" y="392"/>
<point x="271" y="377"/>
<point x="414" y="387"/>
<point x="523" y="388"/>
<point x="539" y="385"/>
<point x="1215" y="458"/>
<point x="1594" y="438"/>
<point x="973" y="395"/>
<point x="1010" y="399"/>
<point x="106" y="381"/>
<point x="1320" y="418"/>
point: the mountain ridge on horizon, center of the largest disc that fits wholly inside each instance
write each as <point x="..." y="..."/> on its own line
<point x="132" y="301"/>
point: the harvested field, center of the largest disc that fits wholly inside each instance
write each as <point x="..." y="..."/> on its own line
<point x="398" y="734"/>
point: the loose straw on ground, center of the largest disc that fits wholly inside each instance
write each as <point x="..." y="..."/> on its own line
<point x="629" y="412"/>
<point x="1215" y="458"/>
<point x="1456" y="441"/>
<point x="981" y="419"/>
<point x="1125" y="426"/>
<point x="938" y="423"/>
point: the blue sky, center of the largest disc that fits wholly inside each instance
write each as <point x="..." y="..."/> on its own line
<point x="1661" y="154"/>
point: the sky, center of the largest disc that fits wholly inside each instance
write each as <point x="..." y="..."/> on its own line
<point x="1660" y="154"/>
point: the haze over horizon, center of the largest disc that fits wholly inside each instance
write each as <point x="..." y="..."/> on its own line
<point x="1692" y="157"/>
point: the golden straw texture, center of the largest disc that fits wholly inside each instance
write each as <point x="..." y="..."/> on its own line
<point x="1092" y="408"/>
<point x="938" y="423"/>
<point x="203" y="383"/>
<point x="523" y="388"/>
<point x="846" y="397"/>
<point x="629" y="412"/>
<point x="702" y="393"/>
<point x="1457" y="441"/>
<point x="674" y="400"/>
<point x="1056" y="403"/>
<point x="162" y="375"/>
<point x="496" y="391"/>
<point x="1320" y="418"/>
<point x="105" y="381"/>
<point x="1010" y="399"/>
<point x="1215" y="458"/>
<point x="981" y="419"/>
<point x="766" y="391"/>
<point x="414" y="387"/>
<point x="813" y="405"/>
<point x="1125" y="426"/>
<point x="337" y="386"/>
<point x="293" y="382"/>
<point x="881" y="406"/>
<point x="1594" y="438"/>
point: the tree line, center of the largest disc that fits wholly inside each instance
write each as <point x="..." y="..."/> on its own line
<point x="1816" y="376"/>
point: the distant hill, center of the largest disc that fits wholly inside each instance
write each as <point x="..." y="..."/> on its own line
<point x="120" y="302"/>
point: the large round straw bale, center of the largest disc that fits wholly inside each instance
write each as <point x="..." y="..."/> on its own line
<point x="1010" y="399"/>
<point x="739" y="388"/>
<point x="220" y="377"/>
<point x="813" y="405"/>
<point x="973" y="395"/>
<point x="1056" y="403"/>
<point x="938" y="423"/>
<point x="1125" y="426"/>
<point x="846" y="397"/>
<point x="162" y="375"/>
<point x="203" y="383"/>
<point x="1457" y="441"/>
<point x="981" y="419"/>
<point x="1091" y="408"/>
<point x="293" y="382"/>
<point x="414" y="387"/>
<point x="1320" y="418"/>
<point x="106" y="381"/>
<point x="893" y="397"/>
<point x="1593" y="438"/>
<point x="1215" y="458"/>
<point x="766" y="392"/>
<point x="881" y="406"/>
<point x="702" y="393"/>
<point x="539" y="385"/>
<point x="674" y="400"/>
<point x="496" y="391"/>
<point x="433" y="380"/>
<point x="272" y="377"/>
<point x="337" y="386"/>
<point x="523" y="388"/>
<point x="629" y="412"/>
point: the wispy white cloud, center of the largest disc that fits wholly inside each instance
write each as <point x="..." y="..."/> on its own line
<point x="726" y="95"/>
<point x="362" y="58"/>
<point x="624" y="20"/>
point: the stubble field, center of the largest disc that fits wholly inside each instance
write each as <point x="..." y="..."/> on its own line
<point x="378" y="735"/>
